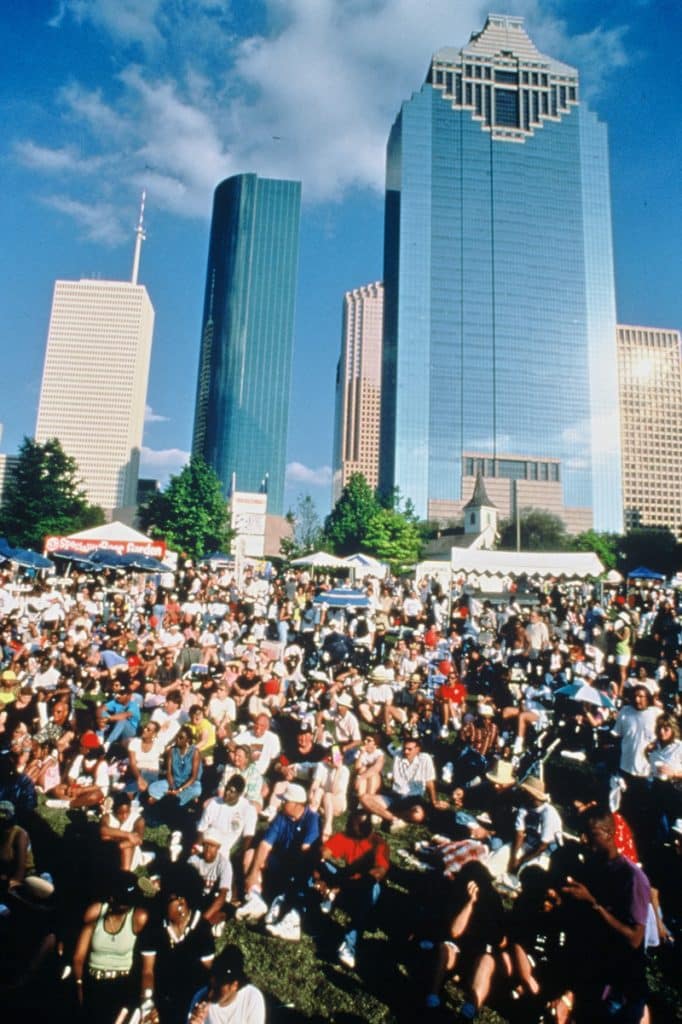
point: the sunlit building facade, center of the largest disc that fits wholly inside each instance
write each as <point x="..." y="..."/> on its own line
<point x="650" y="379"/>
<point x="358" y="388"/>
<point x="94" y="386"/>
<point x="242" y="404"/>
<point x="499" y="313"/>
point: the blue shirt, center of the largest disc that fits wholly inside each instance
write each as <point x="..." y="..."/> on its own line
<point x="287" y="836"/>
<point x="114" y="707"/>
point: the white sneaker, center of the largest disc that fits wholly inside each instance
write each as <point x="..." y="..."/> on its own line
<point x="175" y="838"/>
<point x="275" y="912"/>
<point x="58" y="804"/>
<point x="397" y="824"/>
<point x="346" y="955"/>
<point x="146" y="858"/>
<point x="174" y="850"/>
<point x="288" y="928"/>
<point x="326" y="905"/>
<point x="218" y="929"/>
<point x="253" y="909"/>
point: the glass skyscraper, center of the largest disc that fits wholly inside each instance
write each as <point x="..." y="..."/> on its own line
<point x="242" y="404"/>
<point x="499" y="314"/>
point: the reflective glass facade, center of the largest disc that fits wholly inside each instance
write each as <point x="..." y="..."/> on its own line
<point x="499" y="318"/>
<point x="242" y="407"/>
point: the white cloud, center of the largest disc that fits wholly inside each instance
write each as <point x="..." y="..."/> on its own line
<point x="66" y="159"/>
<point x="312" y="98"/>
<point x="100" y="222"/>
<point x="129" y="21"/>
<point x="153" y="417"/>
<point x="296" y="472"/>
<point x="163" y="461"/>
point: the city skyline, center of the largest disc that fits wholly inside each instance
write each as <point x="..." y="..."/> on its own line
<point x="115" y="105"/>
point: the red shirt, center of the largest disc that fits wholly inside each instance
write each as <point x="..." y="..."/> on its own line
<point x="350" y="850"/>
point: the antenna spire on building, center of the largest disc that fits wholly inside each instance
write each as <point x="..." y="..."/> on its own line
<point x="139" y="239"/>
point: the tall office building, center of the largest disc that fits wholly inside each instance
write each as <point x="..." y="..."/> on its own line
<point x="94" y="385"/>
<point x="358" y="388"/>
<point x="242" y="403"/>
<point x="499" y="315"/>
<point x="650" y="379"/>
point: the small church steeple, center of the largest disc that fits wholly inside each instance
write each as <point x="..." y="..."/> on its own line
<point x="479" y="512"/>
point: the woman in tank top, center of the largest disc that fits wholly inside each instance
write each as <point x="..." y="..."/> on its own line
<point x="105" y="950"/>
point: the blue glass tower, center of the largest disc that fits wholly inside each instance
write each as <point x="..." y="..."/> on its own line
<point x="499" y="316"/>
<point x="242" y="404"/>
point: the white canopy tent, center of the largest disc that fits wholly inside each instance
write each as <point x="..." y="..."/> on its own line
<point x="111" y="531"/>
<point x="320" y="560"/>
<point x="365" y="565"/>
<point x="478" y="566"/>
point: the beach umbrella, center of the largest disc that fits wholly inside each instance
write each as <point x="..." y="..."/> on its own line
<point x="585" y="694"/>
<point x="30" y="559"/>
<point x="73" y="556"/>
<point x="342" y="597"/>
<point x="104" y="558"/>
<point x="142" y="563"/>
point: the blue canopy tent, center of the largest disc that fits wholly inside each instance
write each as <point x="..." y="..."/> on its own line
<point x="642" y="573"/>
<point x="342" y="597"/>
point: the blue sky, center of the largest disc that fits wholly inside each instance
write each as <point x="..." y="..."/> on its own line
<point x="101" y="98"/>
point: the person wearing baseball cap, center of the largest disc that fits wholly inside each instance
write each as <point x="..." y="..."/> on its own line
<point x="282" y="866"/>
<point x="228" y="996"/>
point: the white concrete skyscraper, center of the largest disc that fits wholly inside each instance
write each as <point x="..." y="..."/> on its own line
<point x="95" y="378"/>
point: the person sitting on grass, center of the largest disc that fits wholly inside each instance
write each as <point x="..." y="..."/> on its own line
<point x="87" y="779"/>
<point x="282" y="866"/>
<point x="177" y="949"/>
<point x="414" y="779"/>
<point x="183" y="772"/>
<point x="215" y="871"/>
<point x="228" y="998"/>
<point x="354" y="864"/>
<point x="125" y="827"/>
<point x="475" y="942"/>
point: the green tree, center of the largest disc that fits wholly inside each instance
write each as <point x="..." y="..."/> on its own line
<point x="346" y="525"/>
<point x="44" y="495"/>
<point x="190" y="514"/>
<point x="393" y="538"/>
<point x="307" y="529"/>
<point x="604" y="545"/>
<point x="540" y="531"/>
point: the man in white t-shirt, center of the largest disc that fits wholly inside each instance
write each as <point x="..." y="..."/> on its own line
<point x="414" y="781"/>
<point x="169" y="718"/>
<point x="636" y="726"/>
<point x="228" y="999"/>
<point x="263" y="741"/>
<point x="231" y="816"/>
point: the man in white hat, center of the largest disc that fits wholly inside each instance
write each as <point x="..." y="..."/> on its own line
<point x="282" y="866"/>
<point x="538" y="832"/>
<point x="346" y="728"/>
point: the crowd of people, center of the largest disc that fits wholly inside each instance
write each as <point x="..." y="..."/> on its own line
<point x="280" y="741"/>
